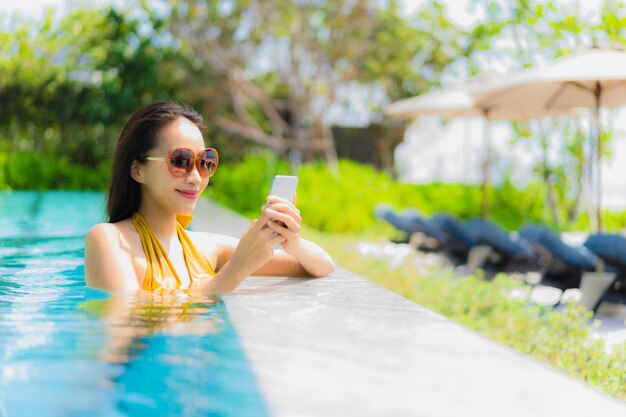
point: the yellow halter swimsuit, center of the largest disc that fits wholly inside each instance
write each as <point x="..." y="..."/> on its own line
<point x="161" y="277"/>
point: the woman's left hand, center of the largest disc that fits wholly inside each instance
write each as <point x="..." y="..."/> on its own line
<point x="285" y="220"/>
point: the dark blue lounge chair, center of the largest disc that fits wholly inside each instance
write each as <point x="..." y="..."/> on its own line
<point x="435" y="237"/>
<point x="509" y="254"/>
<point x="462" y="246"/>
<point x="418" y="223"/>
<point x="386" y="212"/>
<point x="482" y="244"/>
<point x="478" y="244"/>
<point x="563" y="264"/>
<point x="611" y="248"/>
<point x="459" y="242"/>
<point x="456" y="229"/>
<point x="566" y="266"/>
<point x="411" y="221"/>
<point x="455" y="242"/>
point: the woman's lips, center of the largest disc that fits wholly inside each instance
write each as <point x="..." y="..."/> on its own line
<point x="190" y="195"/>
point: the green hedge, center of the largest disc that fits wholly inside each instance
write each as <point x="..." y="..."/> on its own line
<point x="30" y="171"/>
<point x="344" y="199"/>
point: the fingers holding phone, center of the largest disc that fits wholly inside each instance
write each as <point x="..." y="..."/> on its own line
<point x="281" y="199"/>
<point x="255" y="246"/>
<point x="284" y="217"/>
<point x="287" y="226"/>
<point x="284" y="213"/>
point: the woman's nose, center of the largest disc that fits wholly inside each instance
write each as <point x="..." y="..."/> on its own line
<point x="194" y="175"/>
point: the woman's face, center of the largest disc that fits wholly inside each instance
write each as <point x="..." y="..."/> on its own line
<point x="159" y="186"/>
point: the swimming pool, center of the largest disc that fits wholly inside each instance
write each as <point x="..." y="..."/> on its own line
<point x="69" y="351"/>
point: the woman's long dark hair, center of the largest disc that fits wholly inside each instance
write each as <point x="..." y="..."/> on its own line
<point x="138" y="137"/>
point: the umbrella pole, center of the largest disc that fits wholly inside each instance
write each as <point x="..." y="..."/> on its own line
<point x="589" y="174"/>
<point x="466" y="148"/>
<point x="484" y="210"/>
<point x="597" y="93"/>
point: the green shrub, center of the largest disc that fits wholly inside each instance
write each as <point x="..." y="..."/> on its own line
<point x="29" y="171"/>
<point x="613" y="221"/>
<point x="343" y="200"/>
<point x="3" y="180"/>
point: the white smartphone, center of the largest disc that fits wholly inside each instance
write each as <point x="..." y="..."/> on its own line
<point x="284" y="186"/>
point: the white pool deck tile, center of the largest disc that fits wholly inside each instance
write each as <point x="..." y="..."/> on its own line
<point x="343" y="346"/>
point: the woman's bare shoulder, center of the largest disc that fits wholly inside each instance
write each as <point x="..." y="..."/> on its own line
<point x="103" y="233"/>
<point x="111" y="233"/>
<point x="108" y="263"/>
<point x="102" y="229"/>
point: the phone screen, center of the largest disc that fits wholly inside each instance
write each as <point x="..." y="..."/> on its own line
<point x="284" y="186"/>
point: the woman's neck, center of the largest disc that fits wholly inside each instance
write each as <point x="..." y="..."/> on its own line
<point x="162" y="223"/>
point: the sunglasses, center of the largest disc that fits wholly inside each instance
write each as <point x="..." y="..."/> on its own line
<point x="180" y="161"/>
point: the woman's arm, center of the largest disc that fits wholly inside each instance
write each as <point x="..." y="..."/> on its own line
<point x="107" y="267"/>
<point x="311" y="260"/>
<point x="285" y="220"/>
<point x="237" y="261"/>
<point x="253" y="253"/>
<point x="282" y="263"/>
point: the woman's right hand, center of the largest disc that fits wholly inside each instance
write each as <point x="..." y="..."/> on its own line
<point x="255" y="247"/>
<point x="253" y="250"/>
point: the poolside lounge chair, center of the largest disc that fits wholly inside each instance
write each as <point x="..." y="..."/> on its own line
<point x="611" y="248"/>
<point x="482" y="246"/>
<point x="566" y="266"/>
<point x="411" y="222"/>
<point x="426" y="236"/>
<point x="463" y="247"/>
<point x="453" y="238"/>
<point x="386" y="212"/>
<point x="509" y="254"/>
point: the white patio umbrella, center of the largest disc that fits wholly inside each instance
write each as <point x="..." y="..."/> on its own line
<point x="590" y="78"/>
<point x="446" y="102"/>
<point x="460" y="101"/>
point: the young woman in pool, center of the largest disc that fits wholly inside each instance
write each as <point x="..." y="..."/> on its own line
<point x="161" y="167"/>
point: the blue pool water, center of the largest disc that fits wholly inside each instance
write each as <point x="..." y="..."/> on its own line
<point x="69" y="351"/>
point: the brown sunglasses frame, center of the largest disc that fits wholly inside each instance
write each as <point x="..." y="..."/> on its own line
<point x="196" y="160"/>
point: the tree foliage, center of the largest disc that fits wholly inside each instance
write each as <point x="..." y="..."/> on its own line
<point x="69" y="85"/>
<point x="285" y="67"/>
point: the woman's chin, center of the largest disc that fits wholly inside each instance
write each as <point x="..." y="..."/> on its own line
<point x="187" y="208"/>
<point x="183" y="207"/>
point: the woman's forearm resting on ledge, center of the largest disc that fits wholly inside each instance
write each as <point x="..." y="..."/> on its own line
<point x="309" y="260"/>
